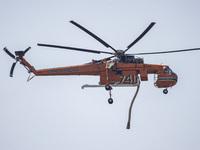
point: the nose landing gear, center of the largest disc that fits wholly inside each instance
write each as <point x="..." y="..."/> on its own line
<point x="165" y="91"/>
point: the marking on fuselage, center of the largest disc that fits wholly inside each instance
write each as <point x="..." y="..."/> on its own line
<point x="62" y="70"/>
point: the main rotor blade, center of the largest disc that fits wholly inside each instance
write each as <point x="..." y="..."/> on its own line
<point x="141" y="36"/>
<point x="76" y="49"/>
<point x="106" y="59"/>
<point x="175" y="51"/>
<point x="93" y="35"/>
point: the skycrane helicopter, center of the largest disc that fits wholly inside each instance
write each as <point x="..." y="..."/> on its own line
<point x="118" y="70"/>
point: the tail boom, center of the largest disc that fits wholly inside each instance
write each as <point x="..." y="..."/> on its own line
<point x="87" y="69"/>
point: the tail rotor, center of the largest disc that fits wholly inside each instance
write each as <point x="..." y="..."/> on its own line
<point x="17" y="55"/>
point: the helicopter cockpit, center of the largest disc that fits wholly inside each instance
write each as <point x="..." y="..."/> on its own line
<point x="168" y="70"/>
<point x="165" y="78"/>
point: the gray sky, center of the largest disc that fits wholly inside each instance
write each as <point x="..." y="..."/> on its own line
<point x="55" y="113"/>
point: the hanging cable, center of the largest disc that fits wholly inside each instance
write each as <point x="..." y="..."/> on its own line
<point x="130" y="108"/>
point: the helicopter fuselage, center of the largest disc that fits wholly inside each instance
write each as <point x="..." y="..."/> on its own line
<point x="113" y="72"/>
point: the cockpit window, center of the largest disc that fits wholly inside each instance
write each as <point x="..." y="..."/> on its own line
<point x="171" y="72"/>
<point x="168" y="70"/>
<point x="165" y="69"/>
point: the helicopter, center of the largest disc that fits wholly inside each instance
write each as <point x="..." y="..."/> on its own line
<point x="118" y="70"/>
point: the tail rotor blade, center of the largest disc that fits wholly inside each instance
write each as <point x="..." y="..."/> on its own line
<point x="141" y="36"/>
<point x="9" y="53"/>
<point x="26" y="50"/>
<point x="12" y="69"/>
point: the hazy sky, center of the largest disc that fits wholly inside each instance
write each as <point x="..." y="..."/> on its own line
<point x="51" y="113"/>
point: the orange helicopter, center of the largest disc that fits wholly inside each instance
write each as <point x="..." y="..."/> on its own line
<point x="118" y="70"/>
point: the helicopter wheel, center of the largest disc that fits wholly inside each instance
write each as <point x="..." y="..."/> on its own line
<point x="165" y="91"/>
<point x="110" y="100"/>
<point x="108" y="87"/>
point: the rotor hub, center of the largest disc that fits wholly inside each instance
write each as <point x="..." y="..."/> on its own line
<point x="119" y="53"/>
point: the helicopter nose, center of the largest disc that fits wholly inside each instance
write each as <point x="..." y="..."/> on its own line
<point x="174" y="77"/>
<point x="166" y="80"/>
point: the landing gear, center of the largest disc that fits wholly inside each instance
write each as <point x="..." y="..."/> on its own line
<point x="110" y="100"/>
<point x="165" y="91"/>
<point x="109" y="88"/>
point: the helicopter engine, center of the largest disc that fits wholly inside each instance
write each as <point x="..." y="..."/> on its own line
<point x="131" y="59"/>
